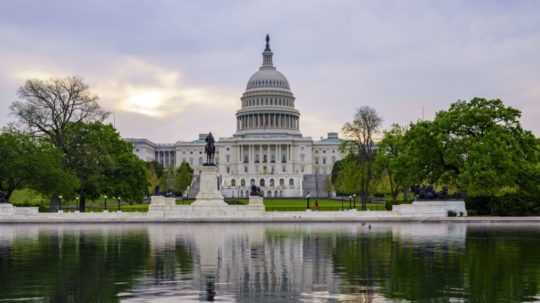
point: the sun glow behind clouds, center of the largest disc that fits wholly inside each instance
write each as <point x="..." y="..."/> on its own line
<point x="145" y="102"/>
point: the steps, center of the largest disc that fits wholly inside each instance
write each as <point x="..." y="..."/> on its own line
<point x="195" y="186"/>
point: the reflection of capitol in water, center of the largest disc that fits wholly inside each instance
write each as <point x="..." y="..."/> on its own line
<point x="244" y="262"/>
<point x="247" y="263"/>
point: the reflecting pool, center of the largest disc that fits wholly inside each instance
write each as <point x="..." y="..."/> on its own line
<point x="270" y="263"/>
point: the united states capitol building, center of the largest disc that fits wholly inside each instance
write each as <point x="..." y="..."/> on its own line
<point x="267" y="149"/>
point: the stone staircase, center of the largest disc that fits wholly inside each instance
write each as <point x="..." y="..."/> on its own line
<point x="312" y="182"/>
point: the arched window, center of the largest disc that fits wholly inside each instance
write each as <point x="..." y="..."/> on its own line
<point x="291" y="182"/>
<point x="269" y="194"/>
<point x="242" y="182"/>
<point x="233" y="182"/>
<point x="241" y="193"/>
<point x="272" y="183"/>
<point x="252" y="181"/>
<point x="281" y="182"/>
<point x="261" y="183"/>
<point x="276" y="193"/>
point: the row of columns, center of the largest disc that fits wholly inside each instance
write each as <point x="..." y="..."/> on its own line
<point x="279" y="150"/>
<point x="267" y="102"/>
<point x="267" y="121"/>
<point x="166" y="158"/>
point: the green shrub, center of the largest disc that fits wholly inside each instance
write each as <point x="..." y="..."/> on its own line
<point x="512" y="204"/>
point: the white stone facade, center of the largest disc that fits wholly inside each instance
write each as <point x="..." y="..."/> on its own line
<point x="267" y="148"/>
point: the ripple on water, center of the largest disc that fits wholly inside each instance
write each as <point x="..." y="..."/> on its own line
<point x="270" y="263"/>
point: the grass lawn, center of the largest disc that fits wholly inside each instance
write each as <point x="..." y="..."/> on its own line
<point x="301" y="204"/>
<point x="324" y="204"/>
<point x="31" y="198"/>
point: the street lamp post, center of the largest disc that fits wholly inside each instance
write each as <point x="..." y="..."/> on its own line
<point x="105" y="202"/>
<point x="60" y="202"/>
<point x="118" y="200"/>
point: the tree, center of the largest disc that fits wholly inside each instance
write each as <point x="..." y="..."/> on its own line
<point x="31" y="163"/>
<point x="394" y="161"/>
<point x="184" y="176"/>
<point x="167" y="181"/>
<point x="154" y="173"/>
<point x="127" y="178"/>
<point x="361" y="130"/>
<point x="49" y="108"/>
<point x="348" y="180"/>
<point x="103" y="163"/>
<point x="478" y="145"/>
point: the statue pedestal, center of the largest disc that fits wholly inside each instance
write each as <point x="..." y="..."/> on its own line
<point x="161" y="204"/>
<point x="7" y="209"/>
<point x="209" y="194"/>
<point x="256" y="202"/>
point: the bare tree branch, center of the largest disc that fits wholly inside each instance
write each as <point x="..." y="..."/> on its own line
<point x="48" y="107"/>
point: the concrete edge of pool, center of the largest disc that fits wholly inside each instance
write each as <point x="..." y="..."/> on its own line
<point x="164" y="211"/>
<point x="282" y="218"/>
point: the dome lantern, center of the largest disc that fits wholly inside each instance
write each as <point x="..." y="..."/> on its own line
<point x="267" y="55"/>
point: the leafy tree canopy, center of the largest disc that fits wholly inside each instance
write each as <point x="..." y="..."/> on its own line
<point x="31" y="163"/>
<point x="103" y="162"/>
<point x="478" y="145"/>
<point x="184" y="176"/>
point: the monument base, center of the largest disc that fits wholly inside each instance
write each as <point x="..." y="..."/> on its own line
<point x="7" y="209"/>
<point x="209" y="194"/>
<point x="256" y="202"/>
<point x="161" y="204"/>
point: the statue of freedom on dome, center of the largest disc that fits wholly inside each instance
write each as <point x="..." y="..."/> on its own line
<point x="210" y="150"/>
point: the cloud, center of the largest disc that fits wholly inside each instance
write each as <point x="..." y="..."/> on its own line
<point x="171" y="69"/>
<point x="133" y="85"/>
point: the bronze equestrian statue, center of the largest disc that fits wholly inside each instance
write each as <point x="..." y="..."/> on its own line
<point x="210" y="150"/>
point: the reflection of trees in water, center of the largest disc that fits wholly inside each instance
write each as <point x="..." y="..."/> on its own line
<point x="490" y="267"/>
<point x="73" y="266"/>
<point x="257" y="263"/>
<point x="495" y="267"/>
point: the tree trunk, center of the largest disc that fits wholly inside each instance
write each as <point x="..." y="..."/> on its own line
<point x="395" y="194"/>
<point x="82" y="203"/>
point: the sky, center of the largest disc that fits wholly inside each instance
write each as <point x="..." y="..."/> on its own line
<point x="170" y="70"/>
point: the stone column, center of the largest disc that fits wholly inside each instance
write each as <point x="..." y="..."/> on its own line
<point x="260" y="153"/>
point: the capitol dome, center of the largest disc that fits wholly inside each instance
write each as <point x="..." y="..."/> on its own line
<point x="268" y="103"/>
<point x="268" y="78"/>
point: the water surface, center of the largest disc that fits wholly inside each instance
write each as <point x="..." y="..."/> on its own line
<point x="270" y="263"/>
